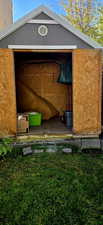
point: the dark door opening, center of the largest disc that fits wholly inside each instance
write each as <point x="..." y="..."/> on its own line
<point x="42" y="85"/>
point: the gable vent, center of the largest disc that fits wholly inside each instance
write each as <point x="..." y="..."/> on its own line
<point x="43" y="30"/>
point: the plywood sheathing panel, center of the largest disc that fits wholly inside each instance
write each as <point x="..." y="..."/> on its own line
<point x="87" y="91"/>
<point x="38" y="89"/>
<point x="7" y="94"/>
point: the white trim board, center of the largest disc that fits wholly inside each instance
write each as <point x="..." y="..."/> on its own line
<point x="42" y="21"/>
<point x="44" y="47"/>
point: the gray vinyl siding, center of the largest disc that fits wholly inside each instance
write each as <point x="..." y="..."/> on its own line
<point x="42" y="16"/>
<point x="28" y="35"/>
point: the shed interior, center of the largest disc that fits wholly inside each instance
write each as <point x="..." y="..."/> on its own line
<point x="44" y="84"/>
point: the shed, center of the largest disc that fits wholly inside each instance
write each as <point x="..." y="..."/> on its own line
<point x="35" y="52"/>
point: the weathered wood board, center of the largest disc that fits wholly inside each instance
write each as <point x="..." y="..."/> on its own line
<point x="7" y="94"/>
<point x="87" y="91"/>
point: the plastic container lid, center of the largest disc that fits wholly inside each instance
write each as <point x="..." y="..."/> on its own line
<point x="34" y="113"/>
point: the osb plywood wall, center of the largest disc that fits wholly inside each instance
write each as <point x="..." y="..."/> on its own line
<point x="38" y="89"/>
<point x="7" y="94"/>
<point x="87" y="91"/>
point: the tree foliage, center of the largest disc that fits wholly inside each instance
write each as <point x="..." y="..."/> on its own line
<point x="87" y="16"/>
<point x="99" y="28"/>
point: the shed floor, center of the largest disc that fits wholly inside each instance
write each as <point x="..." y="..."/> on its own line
<point x="52" y="126"/>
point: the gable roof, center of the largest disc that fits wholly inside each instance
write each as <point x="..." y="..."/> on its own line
<point x="57" y="18"/>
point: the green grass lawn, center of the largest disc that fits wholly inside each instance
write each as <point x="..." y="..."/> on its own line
<point x="52" y="189"/>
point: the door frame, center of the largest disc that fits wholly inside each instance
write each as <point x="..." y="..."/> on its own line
<point x="15" y="50"/>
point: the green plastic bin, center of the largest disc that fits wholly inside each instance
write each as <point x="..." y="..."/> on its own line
<point x="35" y="119"/>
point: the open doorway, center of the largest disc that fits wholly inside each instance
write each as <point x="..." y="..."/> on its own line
<point x="44" y="85"/>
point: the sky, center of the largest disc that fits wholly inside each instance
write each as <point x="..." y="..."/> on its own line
<point x="22" y="7"/>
